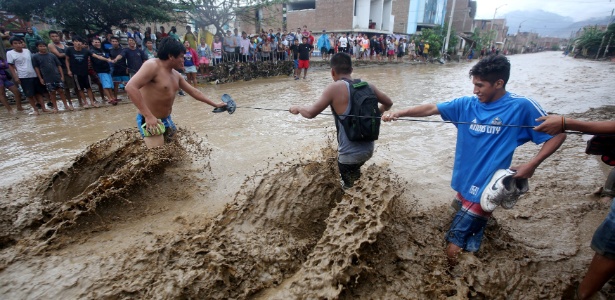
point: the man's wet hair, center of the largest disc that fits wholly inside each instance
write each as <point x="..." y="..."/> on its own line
<point x="53" y="32"/>
<point x="170" y="47"/>
<point x="341" y="63"/>
<point x="131" y="38"/>
<point x="78" y="39"/>
<point x="115" y="38"/>
<point x="40" y="43"/>
<point x="492" y="68"/>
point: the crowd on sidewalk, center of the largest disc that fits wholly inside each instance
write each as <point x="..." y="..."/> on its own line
<point x="71" y="64"/>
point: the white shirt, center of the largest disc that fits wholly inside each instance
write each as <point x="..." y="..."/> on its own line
<point x="245" y="46"/>
<point x="343" y="42"/>
<point x="22" y="62"/>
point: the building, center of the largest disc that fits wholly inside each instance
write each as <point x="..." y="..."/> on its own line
<point x="317" y="15"/>
<point x="463" y="15"/>
<point x="495" y="29"/>
<point x="352" y="16"/>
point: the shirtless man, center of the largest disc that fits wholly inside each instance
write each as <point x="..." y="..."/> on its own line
<point x="153" y="88"/>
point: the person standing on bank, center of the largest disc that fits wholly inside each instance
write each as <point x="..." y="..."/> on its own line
<point x="305" y="50"/>
<point x="602" y="267"/>
<point x="337" y="95"/>
<point x="484" y="149"/>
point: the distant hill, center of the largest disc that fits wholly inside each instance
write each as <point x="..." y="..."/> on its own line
<point x="547" y="23"/>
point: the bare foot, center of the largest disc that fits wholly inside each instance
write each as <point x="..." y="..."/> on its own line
<point x="85" y="106"/>
<point x="95" y="104"/>
<point x="45" y="110"/>
<point x="71" y="108"/>
<point x="36" y="113"/>
<point x="55" y="110"/>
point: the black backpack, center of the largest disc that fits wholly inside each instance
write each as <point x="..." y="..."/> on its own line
<point x="363" y="121"/>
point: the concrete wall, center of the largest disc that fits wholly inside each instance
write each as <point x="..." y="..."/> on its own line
<point x="335" y="16"/>
<point x="331" y="15"/>
<point x="388" y="20"/>
<point x="375" y="13"/>
<point x="401" y="10"/>
<point x="361" y="20"/>
<point x="462" y="12"/>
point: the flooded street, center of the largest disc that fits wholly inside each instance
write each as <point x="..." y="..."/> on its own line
<point x="248" y="205"/>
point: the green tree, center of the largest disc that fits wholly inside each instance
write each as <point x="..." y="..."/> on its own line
<point x="589" y="41"/>
<point x="219" y="13"/>
<point x="436" y="37"/>
<point x="93" y="15"/>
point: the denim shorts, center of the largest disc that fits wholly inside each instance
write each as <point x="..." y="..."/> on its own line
<point x="468" y="227"/>
<point x="167" y="122"/>
<point x="603" y="241"/>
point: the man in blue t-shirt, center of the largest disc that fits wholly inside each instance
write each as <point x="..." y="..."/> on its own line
<point x="484" y="145"/>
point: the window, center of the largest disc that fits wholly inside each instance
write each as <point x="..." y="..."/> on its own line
<point x="301" y="5"/>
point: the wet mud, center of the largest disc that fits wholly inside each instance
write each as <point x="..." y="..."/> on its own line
<point x="186" y="221"/>
<point x="291" y="232"/>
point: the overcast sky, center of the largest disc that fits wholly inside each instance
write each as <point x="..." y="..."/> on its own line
<point x="577" y="9"/>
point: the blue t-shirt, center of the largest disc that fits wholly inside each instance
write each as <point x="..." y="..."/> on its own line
<point x="188" y="59"/>
<point x="483" y="149"/>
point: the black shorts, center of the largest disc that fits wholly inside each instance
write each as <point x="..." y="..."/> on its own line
<point x="54" y="86"/>
<point x="32" y="86"/>
<point x="82" y="82"/>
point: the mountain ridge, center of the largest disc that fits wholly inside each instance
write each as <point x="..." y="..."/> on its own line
<point x="547" y="23"/>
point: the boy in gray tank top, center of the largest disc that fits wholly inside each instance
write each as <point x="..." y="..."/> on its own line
<point x="352" y="154"/>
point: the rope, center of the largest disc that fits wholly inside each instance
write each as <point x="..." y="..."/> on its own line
<point x="418" y="120"/>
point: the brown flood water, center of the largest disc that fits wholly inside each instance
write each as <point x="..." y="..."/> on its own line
<point x="248" y="205"/>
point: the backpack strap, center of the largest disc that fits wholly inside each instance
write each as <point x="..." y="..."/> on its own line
<point x="350" y="92"/>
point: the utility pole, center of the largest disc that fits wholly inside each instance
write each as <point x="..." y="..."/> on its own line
<point x="518" y="32"/>
<point x="606" y="50"/>
<point x="493" y="20"/>
<point x="450" y="23"/>
<point x="604" y="36"/>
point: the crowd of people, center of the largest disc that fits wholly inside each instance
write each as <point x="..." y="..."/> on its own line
<point x="70" y="64"/>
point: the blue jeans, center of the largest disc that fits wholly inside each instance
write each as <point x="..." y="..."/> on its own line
<point x="467" y="228"/>
<point x="603" y="241"/>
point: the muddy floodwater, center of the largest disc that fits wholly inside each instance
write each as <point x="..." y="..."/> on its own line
<point x="248" y="205"/>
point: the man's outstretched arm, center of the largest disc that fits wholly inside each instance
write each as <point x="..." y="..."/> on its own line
<point x="422" y="110"/>
<point x="311" y="111"/>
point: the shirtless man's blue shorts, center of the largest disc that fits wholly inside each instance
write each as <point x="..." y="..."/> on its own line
<point x="167" y="122"/>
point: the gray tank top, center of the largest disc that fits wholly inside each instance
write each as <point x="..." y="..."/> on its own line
<point x="62" y="61"/>
<point x="351" y="152"/>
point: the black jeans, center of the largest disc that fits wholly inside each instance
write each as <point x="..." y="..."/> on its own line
<point x="349" y="173"/>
